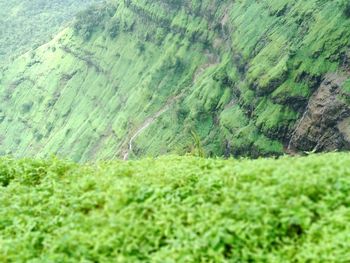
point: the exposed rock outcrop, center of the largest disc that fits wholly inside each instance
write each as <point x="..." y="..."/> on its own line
<point x="325" y="124"/>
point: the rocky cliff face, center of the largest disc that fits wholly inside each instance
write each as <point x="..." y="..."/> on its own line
<point x="135" y="78"/>
<point x="324" y="124"/>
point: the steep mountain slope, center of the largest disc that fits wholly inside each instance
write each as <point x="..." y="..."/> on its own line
<point x="141" y="77"/>
<point x="176" y="209"/>
<point x="28" y="23"/>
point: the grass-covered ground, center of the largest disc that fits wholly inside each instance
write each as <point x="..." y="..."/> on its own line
<point x="176" y="209"/>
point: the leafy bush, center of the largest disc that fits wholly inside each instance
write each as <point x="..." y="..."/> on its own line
<point x="176" y="209"/>
<point x="347" y="9"/>
<point x="88" y="20"/>
<point x="26" y="107"/>
<point x="113" y="28"/>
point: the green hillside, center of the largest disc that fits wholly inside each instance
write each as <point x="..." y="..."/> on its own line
<point x="185" y="90"/>
<point x="176" y="209"/>
<point x="26" y="24"/>
<point x="143" y="78"/>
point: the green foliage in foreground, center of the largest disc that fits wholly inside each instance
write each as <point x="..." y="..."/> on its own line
<point x="176" y="209"/>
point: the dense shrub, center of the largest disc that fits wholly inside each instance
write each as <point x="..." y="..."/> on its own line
<point x="176" y="209"/>
<point x="26" y="107"/>
<point x="347" y="9"/>
<point x="88" y="20"/>
<point x="113" y="27"/>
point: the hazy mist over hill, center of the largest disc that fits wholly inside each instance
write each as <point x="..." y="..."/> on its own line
<point x="26" y="24"/>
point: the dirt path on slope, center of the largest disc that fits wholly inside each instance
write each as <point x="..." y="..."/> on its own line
<point x="213" y="59"/>
<point x="148" y="122"/>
